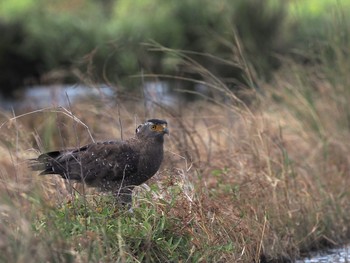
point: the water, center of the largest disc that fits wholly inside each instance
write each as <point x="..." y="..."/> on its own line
<point x="37" y="97"/>
<point x="341" y="255"/>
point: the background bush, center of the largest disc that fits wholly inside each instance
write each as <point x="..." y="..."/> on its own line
<point x="67" y="41"/>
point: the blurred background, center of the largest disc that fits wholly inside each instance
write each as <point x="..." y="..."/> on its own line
<point x="54" y="49"/>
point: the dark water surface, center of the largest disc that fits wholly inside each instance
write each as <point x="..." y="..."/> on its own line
<point x="330" y="256"/>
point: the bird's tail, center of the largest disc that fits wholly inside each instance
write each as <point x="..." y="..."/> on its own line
<point x="43" y="163"/>
<point x="36" y="165"/>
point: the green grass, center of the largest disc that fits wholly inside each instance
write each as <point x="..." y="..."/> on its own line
<point x="94" y="228"/>
<point x="99" y="231"/>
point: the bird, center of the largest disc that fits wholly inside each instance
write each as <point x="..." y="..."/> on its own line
<point x="112" y="166"/>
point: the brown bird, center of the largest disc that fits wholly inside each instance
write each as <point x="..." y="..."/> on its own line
<point x="116" y="166"/>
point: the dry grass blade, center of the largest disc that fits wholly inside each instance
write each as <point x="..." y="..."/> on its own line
<point x="60" y="110"/>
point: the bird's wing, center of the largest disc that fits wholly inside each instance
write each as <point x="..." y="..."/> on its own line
<point x="110" y="160"/>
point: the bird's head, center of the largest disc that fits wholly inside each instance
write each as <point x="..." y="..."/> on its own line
<point x="153" y="128"/>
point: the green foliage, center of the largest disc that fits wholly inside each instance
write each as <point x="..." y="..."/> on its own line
<point x="132" y="23"/>
<point x="263" y="29"/>
<point x="56" y="37"/>
<point x="99" y="229"/>
<point x="320" y="26"/>
<point x="66" y="39"/>
<point x="44" y="39"/>
<point x="12" y="9"/>
<point x="103" y="41"/>
<point x="315" y="8"/>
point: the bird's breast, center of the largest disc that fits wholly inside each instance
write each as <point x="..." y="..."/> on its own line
<point x="150" y="162"/>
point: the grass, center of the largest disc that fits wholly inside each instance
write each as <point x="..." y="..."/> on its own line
<point x="238" y="184"/>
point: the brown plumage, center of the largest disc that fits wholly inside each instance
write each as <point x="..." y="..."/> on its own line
<point x="115" y="166"/>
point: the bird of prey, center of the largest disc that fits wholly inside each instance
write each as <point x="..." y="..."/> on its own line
<point x="116" y="166"/>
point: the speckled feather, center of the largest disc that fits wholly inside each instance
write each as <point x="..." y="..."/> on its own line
<point x="115" y="166"/>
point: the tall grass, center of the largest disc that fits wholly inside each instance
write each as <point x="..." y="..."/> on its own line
<point x="238" y="184"/>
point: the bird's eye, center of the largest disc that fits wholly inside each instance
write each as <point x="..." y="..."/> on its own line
<point x="153" y="127"/>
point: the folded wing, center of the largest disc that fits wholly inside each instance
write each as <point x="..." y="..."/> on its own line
<point x="111" y="161"/>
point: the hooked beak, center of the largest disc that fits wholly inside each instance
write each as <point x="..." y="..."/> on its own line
<point x="162" y="128"/>
<point x="166" y="130"/>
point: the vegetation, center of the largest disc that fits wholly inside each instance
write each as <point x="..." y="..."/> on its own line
<point x="69" y="41"/>
<point x="240" y="183"/>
